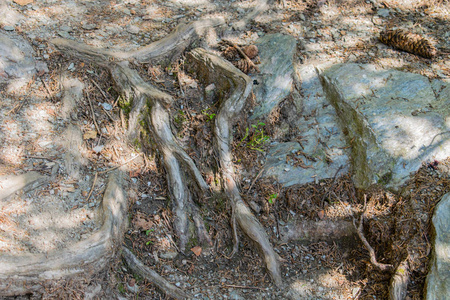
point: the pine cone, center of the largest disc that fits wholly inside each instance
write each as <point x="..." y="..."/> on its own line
<point x="251" y="51"/>
<point x="230" y="53"/>
<point x="408" y="42"/>
<point x="243" y="65"/>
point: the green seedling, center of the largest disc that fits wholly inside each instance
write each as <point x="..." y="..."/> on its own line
<point x="209" y="115"/>
<point x="147" y="233"/>
<point x="272" y="198"/>
<point x="258" y="139"/>
<point x="180" y="117"/>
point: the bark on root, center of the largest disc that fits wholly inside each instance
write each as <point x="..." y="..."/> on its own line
<point x="138" y="267"/>
<point x="212" y="68"/>
<point x="399" y="281"/>
<point x="26" y="273"/>
<point x="144" y="96"/>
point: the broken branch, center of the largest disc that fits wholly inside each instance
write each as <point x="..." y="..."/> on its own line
<point x="359" y="230"/>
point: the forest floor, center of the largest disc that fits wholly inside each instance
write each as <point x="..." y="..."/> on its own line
<point x="36" y="136"/>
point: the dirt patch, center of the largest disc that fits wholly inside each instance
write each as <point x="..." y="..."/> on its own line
<point x="35" y="127"/>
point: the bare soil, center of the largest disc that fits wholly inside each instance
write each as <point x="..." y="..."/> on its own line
<point x="36" y="137"/>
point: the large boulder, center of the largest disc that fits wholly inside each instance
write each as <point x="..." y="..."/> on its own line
<point x="321" y="149"/>
<point x="393" y="120"/>
<point x="438" y="279"/>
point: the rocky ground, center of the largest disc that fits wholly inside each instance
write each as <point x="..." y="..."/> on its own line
<point x="77" y="149"/>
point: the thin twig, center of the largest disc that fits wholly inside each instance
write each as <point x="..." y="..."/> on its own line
<point x="48" y="90"/>
<point x="107" y="113"/>
<point x="179" y="82"/>
<point x="17" y="108"/>
<point x="92" y="188"/>
<point x="92" y="111"/>
<point x="14" y="108"/>
<point x="244" y="56"/>
<point x="116" y="167"/>
<point x="100" y="89"/>
<point x="441" y="133"/>
<point x="39" y="157"/>
<point x="359" y="231"/>
<point x="256" y="178"/>
<point x="241" y="287"/>
<point x="332" y="183"/>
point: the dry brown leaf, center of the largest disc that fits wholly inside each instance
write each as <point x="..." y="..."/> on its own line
<point x="91" y="134"/>
<point x="197" y="250"/>
<point x="23" y="2"/>
<point x="321" y="214"/>
<point x="140" y="222"/>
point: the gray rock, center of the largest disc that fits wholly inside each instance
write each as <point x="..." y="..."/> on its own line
<point x="42" y="66"/>
<point x="17" y="65"/>
<point x="89" y="26"/>
<point x="64" y="34"/>
<point x="323" y="145"/>
<point x="133" y="29"/>
<point x="438" y="279"/>
<point x="383" y="12"/>
<point x="392" y="120"/>
<point x="66" y="28"/>
<point x="8" y="28"/>
<point x="276" y="72"/>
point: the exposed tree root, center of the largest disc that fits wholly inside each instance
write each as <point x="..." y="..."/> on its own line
<point x="26" y="273"/>
<point x="359" y="231"/>
<point x="138" y="267"/>
<point x="308" y="230"/>
<point x="144" y="96"/>
<point x="228" y="78"/>
<point x="399" y="281"/>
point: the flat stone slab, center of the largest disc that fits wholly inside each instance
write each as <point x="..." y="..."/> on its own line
<point x="274" y="81"/>
<point x="393" y="120"/>
<point x="438" y="279"/>
<point x="321" y="150"/>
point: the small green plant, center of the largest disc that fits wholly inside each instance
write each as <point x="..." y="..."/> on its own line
<point x="147" y="233"/>
<point x="125" y="104"/>
<point x="121" y="288"/>
<point x="180" y="117"/>
<point x="272" y="198"/>
<point x="209" y="115"/>
<point x="258" y="138"/>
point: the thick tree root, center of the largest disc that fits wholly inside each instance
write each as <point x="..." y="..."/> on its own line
<point x="26" y="273"/>
<point x="139" y="268"/>
<point x="305" y="230"/>
<point x="228" y="78"/>
<point x="399" y="281"/>
<point x="144" y="96"/>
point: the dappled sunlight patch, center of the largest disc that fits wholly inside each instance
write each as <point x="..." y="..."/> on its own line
<point x="190" y="2"/>
<point x="12" y="155"/>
